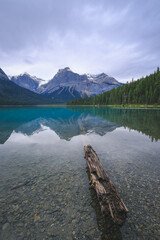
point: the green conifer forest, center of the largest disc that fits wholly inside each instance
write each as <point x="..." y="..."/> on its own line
<point x="145" y="90"/>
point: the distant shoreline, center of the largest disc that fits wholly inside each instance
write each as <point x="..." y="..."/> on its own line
<point x="134" y="106"/>
<point x="129" y="106"/>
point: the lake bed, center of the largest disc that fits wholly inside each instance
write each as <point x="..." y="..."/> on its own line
<point x="44" y="189"/>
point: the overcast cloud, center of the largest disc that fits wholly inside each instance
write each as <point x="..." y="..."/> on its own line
<point x="120" y="37"/>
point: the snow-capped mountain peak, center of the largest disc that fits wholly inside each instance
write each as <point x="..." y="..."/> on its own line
<point x="27" y="81"/>
<point x="81" y="85"/>
<point x="67" y="85"/>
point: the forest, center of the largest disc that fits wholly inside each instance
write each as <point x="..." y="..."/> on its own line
<point x="12" y="94"/>
<point x="145" y="90"/>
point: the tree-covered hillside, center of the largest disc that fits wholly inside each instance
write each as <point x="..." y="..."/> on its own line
<point x="12" y="94"/>
<point x="143" y="91"/>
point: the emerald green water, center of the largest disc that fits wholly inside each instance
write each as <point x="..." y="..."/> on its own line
<point x="44" y="185"/>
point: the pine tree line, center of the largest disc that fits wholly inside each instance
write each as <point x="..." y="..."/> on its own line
<point x="143" y="91"/>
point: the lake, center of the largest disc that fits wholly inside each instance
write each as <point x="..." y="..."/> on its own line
<point x="44" y="185"/>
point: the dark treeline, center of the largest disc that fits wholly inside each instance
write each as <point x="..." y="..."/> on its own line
<point x="12" y="94"/>
<point x="143" y="91"/>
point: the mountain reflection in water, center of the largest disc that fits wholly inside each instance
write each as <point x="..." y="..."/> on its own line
<point x="72" y="121"/>
<point x="65" y="122"/>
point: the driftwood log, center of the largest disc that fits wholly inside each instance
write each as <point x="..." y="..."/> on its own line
<point x="108" y="196"/>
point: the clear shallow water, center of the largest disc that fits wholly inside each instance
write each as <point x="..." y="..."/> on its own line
<point x="44" y="187"/>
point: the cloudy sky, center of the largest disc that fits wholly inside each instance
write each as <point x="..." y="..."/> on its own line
<point x="119" y="37"/>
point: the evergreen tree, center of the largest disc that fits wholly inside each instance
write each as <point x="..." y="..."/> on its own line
<point x="143" y="91"/>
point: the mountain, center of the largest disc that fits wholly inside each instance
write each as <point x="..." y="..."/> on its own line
<point x="12" y="94"/>
<point x="67" y="85"/>
<point x="3" y="76"/>
<point x="64" y="94"/>
<point x="27" y="81"/>
<point x="145" y="90"/>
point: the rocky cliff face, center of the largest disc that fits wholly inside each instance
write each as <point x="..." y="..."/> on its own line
<point x="26" y="81"/>
<point x="67" y="85"/>
<point x="73" y="85"/>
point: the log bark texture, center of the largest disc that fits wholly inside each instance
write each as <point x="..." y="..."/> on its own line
<point x="108" y="196"/>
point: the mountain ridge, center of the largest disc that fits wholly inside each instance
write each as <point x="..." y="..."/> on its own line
<point x="144" y="91"/>
<point x="12" y="94"/>
<point x="3" y="75"/>
<point x="27" y="81"/>
<point x="67" y="85"/>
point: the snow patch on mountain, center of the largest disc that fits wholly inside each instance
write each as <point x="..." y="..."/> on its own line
<point x="27" y="81"/>
<point x="67" y="85"/>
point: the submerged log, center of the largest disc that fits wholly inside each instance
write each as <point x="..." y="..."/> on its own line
<point x="108" y="196"/>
